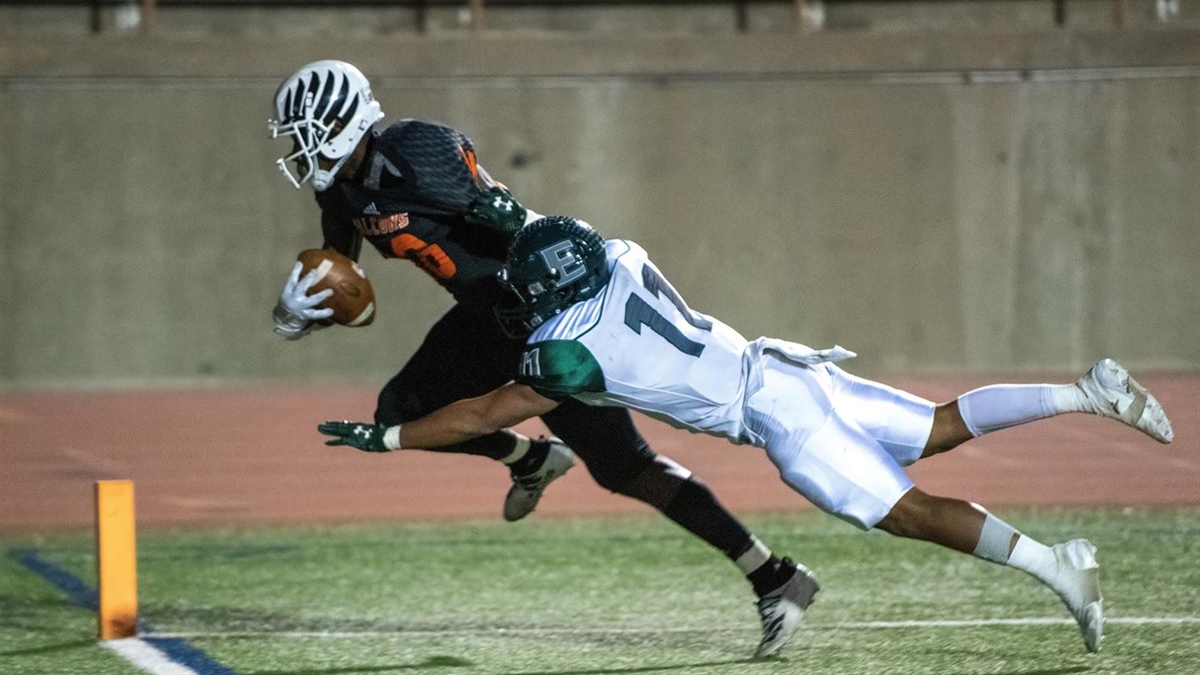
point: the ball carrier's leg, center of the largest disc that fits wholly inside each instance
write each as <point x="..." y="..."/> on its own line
<point x="621" y="461"/>
<point x="464" y="356"/>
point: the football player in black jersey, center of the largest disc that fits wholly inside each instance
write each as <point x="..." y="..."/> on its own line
<point x="415" y="190"/>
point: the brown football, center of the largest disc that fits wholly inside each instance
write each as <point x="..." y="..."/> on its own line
<point x="353" y="299"/>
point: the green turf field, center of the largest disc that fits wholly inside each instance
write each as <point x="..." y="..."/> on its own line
<point x="608" y="596"/>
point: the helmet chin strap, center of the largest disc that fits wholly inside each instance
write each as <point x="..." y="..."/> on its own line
<point x="323" y="179"/>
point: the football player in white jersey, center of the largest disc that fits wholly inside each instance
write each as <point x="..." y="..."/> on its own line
<point x="606" y="328"/>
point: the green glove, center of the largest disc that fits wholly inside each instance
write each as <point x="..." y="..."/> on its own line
<point x="361" y="435"/>
<point x="497" y="209"/>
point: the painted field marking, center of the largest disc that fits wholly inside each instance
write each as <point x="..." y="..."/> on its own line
<point x="537" y="632"/>
<point x="155" y="654"/>
<point x="971" y="623"/>
<point x="143" y="655"/>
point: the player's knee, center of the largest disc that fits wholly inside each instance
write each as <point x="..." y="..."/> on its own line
<point x="610" y="481"/>
<point x="615" y="468"/>
<point x="618" y="478"/>
<point x="910" y="517"/>
<point x="657" y="483"/>
<point x="949" y="430"/>
<point x="856" y="514"/>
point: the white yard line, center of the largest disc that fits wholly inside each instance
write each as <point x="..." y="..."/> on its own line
<point x="970" y="623"/>
<point x="536" y="632"/>
<point x="146" y="657"/>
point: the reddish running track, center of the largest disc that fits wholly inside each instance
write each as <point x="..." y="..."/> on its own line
<point x="241" y="455"/>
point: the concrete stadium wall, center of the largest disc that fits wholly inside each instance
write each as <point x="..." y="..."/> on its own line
<point x="311" y="20"/>
<point x="968" y="202"/>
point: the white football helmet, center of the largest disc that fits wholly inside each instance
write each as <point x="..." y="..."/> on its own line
<point x="325" y="107"/>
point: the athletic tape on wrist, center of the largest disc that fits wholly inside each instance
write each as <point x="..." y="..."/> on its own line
<point x="391" y="438"/>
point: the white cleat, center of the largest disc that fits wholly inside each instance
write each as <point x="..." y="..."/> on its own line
<point x="526" y="490"/>
<point x="1078" y="584"/>
<point x="1113" y="393"/>
<point x="783" y="608"/>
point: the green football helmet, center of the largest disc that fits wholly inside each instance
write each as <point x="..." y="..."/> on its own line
<point x="553" y="263"/>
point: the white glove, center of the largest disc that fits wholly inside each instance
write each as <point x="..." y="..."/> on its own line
<point x="296" y="309"/>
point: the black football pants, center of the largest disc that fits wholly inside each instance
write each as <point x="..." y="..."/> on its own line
<point x="465" y="355"/>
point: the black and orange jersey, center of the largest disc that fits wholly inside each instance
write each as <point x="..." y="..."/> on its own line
<point x="408" y="199"/>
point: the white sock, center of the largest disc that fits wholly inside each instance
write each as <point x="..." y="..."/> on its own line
<point x="1028" y="555"/>
<point x="994" y="539"/>
<point x="520" y="447"/>
<point x="754" y="557"/>
<point x="1001" y="406"/>
<point x="1035" y="558"/>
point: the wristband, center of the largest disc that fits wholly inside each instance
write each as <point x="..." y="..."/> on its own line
<point x="391" y="438"/>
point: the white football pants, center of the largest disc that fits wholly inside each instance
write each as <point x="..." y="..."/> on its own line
<point x="839" y="440"/>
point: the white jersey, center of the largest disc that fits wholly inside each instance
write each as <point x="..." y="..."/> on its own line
<point x="839" y="440"/>
<point x="638" y="345"/>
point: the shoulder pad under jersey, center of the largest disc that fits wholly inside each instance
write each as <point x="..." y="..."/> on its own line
<point x="427" y="164"/>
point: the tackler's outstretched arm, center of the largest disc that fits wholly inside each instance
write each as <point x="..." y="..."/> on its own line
<point x="460" y="421"/>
